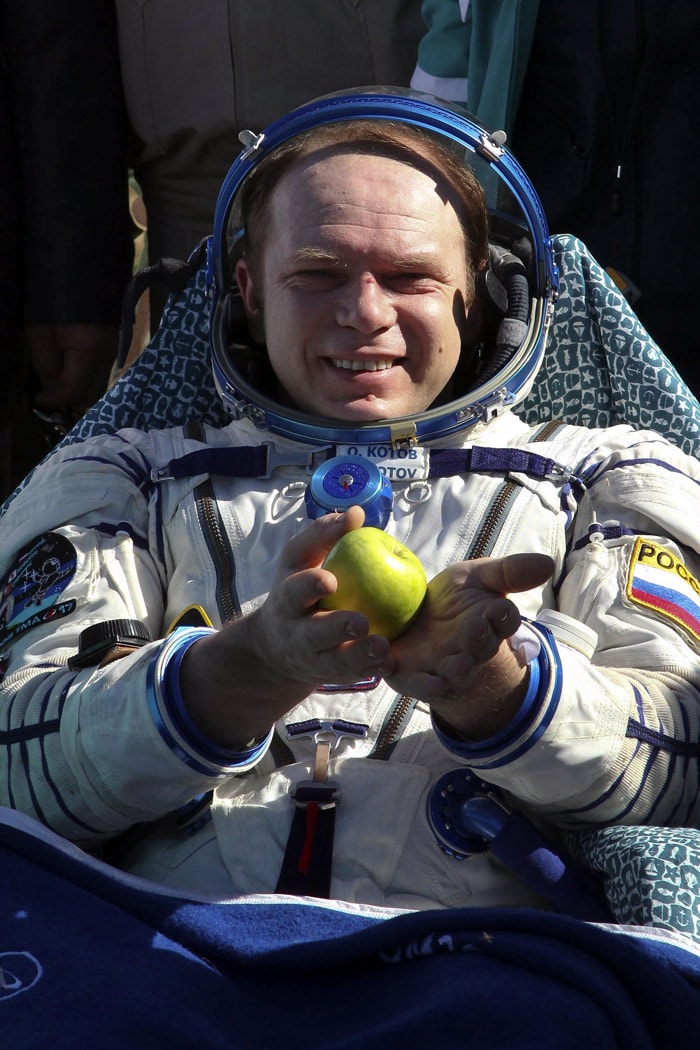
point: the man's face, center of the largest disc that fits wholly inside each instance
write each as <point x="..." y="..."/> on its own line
<point x="359" y="295"/>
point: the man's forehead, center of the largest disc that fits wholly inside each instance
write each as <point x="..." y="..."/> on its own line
<point x="337" y="183"/>
<point x="343" y="161"/>
<point x="369" y="199"/>
<point x="331" y="230"/>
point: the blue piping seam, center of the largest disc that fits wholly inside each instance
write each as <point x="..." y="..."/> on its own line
<point x="641" y="738"/>
<point x="542" y="698"/>
<point x="661" y="741"/>
<point x="594" y="478"/>
<point x="44" y="761"/>
<point x="167" y="710"/>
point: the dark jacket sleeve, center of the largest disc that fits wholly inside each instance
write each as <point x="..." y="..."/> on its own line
<point x="64" y="87"/>
<point x="10" y="281"/>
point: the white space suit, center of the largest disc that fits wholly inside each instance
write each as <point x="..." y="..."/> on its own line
<point x="608" y="738"/>
<point x="608" y="732"/>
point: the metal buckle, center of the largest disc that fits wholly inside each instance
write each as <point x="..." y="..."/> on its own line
<point x="494" y="405"/>
<point x="319" y="790"/>
<point x="325" y="794"/>
<point x="488" y="408"/>
<point x="559" y="472"/>
<point x="491" y="146"/>
<point x="286" y="458"/>
<point x="315" y="727"/>
<point x="403" y="435"/>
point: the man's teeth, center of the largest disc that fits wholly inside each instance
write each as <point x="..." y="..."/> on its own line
<point x="363" y="366"/>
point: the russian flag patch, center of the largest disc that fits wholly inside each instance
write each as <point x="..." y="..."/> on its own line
<point x="659" y="580"/>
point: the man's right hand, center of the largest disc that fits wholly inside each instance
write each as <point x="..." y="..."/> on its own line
<point x="237" y="682"/>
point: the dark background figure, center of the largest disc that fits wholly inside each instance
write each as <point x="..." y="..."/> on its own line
<point x="607" y="128"/>
<point x="195" y="75"/>
<point x="66" y="247"/>
<point x="10" y="310"/>
<point x="601" y="104"/>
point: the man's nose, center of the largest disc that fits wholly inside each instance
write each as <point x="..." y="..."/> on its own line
<point x="365" y="305"/>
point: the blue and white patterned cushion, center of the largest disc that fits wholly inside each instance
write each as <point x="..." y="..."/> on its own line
<point x="601" y="365"/>
<point x="651" y="876"/>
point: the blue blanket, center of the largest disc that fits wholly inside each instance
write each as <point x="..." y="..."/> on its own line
<point x="91" y="957"/>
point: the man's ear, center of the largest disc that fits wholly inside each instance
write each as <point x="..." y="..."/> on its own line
<point x="253" y="311"/>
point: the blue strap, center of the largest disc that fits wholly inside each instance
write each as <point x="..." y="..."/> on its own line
<point x="249" y="461"/>
<point x="551" y="872"/>
<point x="446" y="462"/>
<point x="254" y="461"/>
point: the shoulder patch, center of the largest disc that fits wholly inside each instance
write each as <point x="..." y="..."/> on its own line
<point x="659" y="580"/>
<point x="30" y="590"/>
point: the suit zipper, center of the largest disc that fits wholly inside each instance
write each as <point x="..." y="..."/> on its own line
<point x="394" y="726"/>
<point x="219" y="550"/>
<point x="492" y="524"/>
<point x="483" y="543"/>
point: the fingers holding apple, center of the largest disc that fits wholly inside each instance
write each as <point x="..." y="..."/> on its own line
<point x="476" y="640"/>
<point x="481" y="587"/>
<point x="447" y="635"/>
<point x="313" y="646"/>
<point x="310" y="546"/>
<point x="301" y="643"/>
<point x="456" y="620"/>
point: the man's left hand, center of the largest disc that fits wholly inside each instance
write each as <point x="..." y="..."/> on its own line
<point x="456" y="654"/>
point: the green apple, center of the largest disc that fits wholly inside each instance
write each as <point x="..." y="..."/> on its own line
<point x="378" y="576"/>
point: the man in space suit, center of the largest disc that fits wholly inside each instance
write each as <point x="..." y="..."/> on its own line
<point x="362" y="312"/>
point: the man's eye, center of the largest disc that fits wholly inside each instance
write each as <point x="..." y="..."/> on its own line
<point x="408" y="280"/>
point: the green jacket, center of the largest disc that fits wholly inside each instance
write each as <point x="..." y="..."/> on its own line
<point x="475" y="52"/>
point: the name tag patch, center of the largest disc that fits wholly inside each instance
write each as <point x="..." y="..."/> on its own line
<point x="398" y="464"/>
<point x="659" y="580"/>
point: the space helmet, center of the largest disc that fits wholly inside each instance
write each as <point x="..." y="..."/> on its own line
<point x="517" y="287"/>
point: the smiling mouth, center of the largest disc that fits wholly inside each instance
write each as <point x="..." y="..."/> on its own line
<point x="363" y="366"/>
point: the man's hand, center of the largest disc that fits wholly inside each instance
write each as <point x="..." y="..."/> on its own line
<point x="238" y="682"/>
<point x="312" y="645"/>
<point x="72" y="363"/>
<point x="456" y="654"/>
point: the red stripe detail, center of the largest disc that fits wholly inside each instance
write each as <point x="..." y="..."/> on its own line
<point x="663" y="605"/>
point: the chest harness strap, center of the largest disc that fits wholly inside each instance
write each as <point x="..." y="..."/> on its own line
<point x="259" y="461"/>
<point x="308" y="857"/>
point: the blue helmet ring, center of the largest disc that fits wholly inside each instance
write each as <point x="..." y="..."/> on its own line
<point x="516" y="216"/>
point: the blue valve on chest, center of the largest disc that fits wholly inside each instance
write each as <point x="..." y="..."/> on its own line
<point x="343" y="481"/>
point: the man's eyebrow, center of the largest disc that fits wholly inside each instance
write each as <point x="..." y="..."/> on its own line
<point x="310" y="254"/>
<point x="320" y="256"/>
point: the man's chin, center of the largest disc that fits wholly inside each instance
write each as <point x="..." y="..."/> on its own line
<point x="361" y="412"/>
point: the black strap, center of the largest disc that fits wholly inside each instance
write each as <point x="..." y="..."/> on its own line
<point x="308" y="858"/>
<point x="175" y="274"/>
